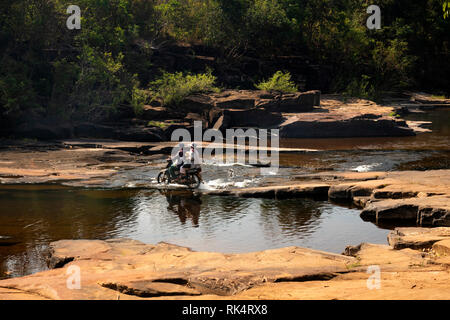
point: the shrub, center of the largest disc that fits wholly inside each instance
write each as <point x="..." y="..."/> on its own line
<point x="160" y="124"/>
<point x="138" y="99"/>
<point x="279" y="82"/>
<point x="362" y="88"/>
<point x="172" y="88"/>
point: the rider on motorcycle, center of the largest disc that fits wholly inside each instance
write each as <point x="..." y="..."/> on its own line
<point x="177" y="162"/>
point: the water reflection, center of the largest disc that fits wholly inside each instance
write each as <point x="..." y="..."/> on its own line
<point x="294" y="217"/>
<point x="33" y="216"/>
<point x="185" y="204"/>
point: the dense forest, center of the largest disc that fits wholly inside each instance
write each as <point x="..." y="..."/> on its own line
<point x="125" y="46"/>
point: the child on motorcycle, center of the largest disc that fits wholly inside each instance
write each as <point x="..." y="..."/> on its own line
<point x="194" y="161"/>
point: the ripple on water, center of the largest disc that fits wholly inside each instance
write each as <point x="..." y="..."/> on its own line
<point x="37" y="216"/>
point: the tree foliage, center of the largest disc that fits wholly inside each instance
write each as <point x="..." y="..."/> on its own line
<point x="46" y="68"/>
<point x="171" y="88"/>
<point x="278" y="82"/>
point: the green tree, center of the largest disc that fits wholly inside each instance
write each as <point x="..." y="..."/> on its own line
<point x="446" y="8"/>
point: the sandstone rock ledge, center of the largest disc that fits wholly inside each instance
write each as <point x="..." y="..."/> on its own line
<point x="342" y="118"/>
<point x="128" y="269"/>
<point x="415" y="197"/>
<point x="297" y="115"/>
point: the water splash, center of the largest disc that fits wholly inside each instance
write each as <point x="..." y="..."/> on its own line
<point x="366" y="167"/>
<point x="232" y="164"/>
<point x="219" y="184"/>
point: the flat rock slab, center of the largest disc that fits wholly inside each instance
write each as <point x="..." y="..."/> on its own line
<point x="394" y="285"/>
<point x="417" y="197"/>
<point x="279" y="192"/>
<point x="386" y="257"/>
<point x="427" y="211"/>
<point x="407" y="196"/>
<point x="129" y="268"/>
<point x="124" y="269"/>
<point x="417" y="238"/>
<point x="339" y="118"/>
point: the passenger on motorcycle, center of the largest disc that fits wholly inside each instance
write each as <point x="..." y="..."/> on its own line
<point x="193" y="161"/>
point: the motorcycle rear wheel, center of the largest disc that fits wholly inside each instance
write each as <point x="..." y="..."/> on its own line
<point x="163" y="177"/>
<point x="193" y="181"/>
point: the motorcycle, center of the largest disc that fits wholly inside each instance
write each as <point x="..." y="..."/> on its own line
<point x="192" y="179"/>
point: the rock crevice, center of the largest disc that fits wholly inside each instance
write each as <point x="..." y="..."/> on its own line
<point x="126" y="271"/>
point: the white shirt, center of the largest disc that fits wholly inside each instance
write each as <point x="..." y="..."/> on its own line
<point x="194" y="157"/>
<point x="178" y="160"/>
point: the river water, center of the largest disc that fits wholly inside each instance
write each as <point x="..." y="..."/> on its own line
<point x="425" y="151"/>
<point x="32" y="216"/>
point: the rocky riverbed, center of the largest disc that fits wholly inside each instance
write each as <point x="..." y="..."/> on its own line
<point x="415" y="264"/>
<point x="297" y="115"/>
<point x="124" y="269"/>
<point x="420" y="197"/>
<point x="128" y="269"/>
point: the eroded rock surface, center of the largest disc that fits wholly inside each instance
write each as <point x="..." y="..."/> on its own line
<point x="86" y="162"/>
<point x="417" y="238"/>
<point x="417" y="197"/>
<point x="128" y="269"/>
<point x="299" y="115"/>
<point x="337" y="117"/>
<point x="110" y="268"/>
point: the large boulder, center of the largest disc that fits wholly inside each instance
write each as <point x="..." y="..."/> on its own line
<point x="432" y="216"/>
<point x="442" y="247"/>
<point x="232" y="99"/>
<point x="249" y="99"/>
<point x="299" y="102"/>
<point x="160" y="113"/>
<point x="343" y="128"/>
<point x="289" y="102"/>
<point x="197" y="103"/>
<point x="428" y="211"/>
<point x="256" y="118"/>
